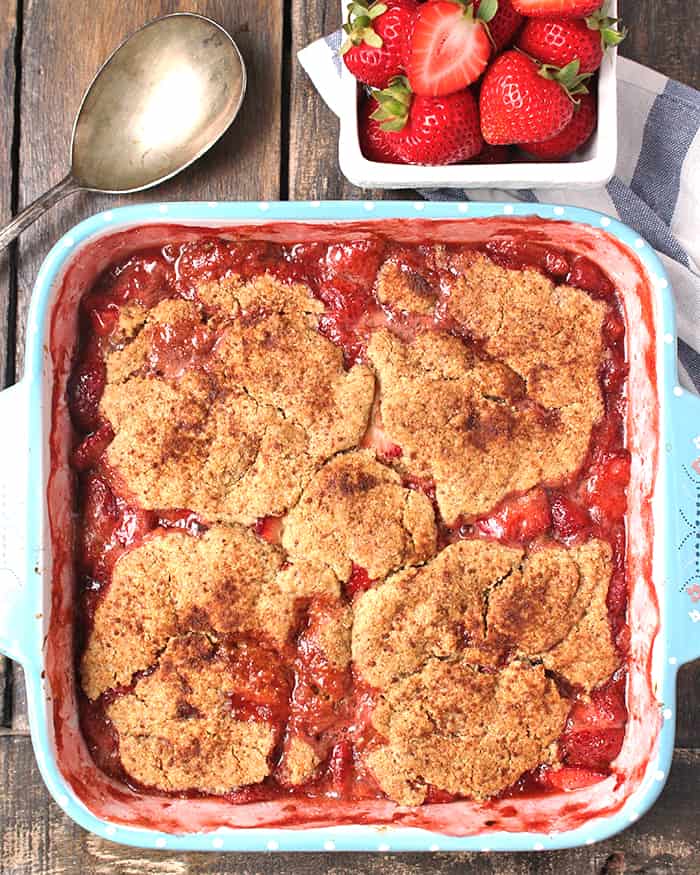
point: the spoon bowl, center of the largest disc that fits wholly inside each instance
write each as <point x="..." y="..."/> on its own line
<point x="157" y="104"/>
<point x="161" y="100"/>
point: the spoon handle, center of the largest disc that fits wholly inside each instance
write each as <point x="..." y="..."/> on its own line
<point x="30" y="214"/>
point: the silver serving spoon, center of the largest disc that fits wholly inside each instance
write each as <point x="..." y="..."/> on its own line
<point x="156" y="105"/>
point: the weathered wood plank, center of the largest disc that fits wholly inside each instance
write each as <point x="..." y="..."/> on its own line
<point x="664" y="36"/>
<point x="38" y="838"/>
<point x="244" y="165"/>
<point x="8" y="36"/>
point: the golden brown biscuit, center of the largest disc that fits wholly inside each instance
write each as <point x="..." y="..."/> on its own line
<point x="234" y="432"/>
<point x="225" y="582"/>
<point x="177" y="730"/>
<point x="355" y="510"/>
<point x="464" y="423"/>
<point x="430" y="612"/>
<point x="464" y="731"/>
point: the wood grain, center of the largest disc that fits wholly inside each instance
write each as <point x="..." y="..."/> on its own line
<point x="664" y="36"/>
<point x="8" y="36"/>
<point x="39" y="839"/>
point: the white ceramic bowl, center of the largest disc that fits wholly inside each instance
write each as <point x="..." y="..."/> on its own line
<point x="591" y="168"/>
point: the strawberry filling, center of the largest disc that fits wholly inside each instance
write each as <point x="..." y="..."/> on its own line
<point x="300" y="689"/>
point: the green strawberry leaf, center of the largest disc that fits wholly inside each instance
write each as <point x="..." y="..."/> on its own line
<point x="393" y="104"/>
<point x="359" y="25"/>
<point x="487" y="10"/>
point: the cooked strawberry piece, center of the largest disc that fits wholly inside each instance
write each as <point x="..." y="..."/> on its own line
<point x="605" y="490"/>
<point x="85" y="389"/>
<point x="614" y="374"/>
<point x="585" y="274"/>
<point x="570" y="520"/>
<point x="269" y="528"/>
<point x="142" y="280"/>
<point x="504" y="25"/>
<point x="575" y="135"/>
<point x="376" y="437"/>
<point x="523" y="102"/>
<point x="340" y="765"/>
<point x="358" y="582"/>
<point x="517" y="255"/>
<point x="376" y="44"/>
<point x="595" y="729"/>
<point x="108" y="526"/>
<point x="564" y="8"/>
<point x="320" y="687"/>
<point x="571" y="778"/>
<point x="449" y="48"/>
<point x="593" y="749"/>
<point x="354" y="263"/>
<point x="88" y="452"/>
<point x="205" y="259"/>
<point x="613" y="327"/>
<point x="617" y="593"/>
<point x="519" y="520"/>
<point x="605" y="709"/>
<point x="104" y="318"/>
<point x="261" y="684"/>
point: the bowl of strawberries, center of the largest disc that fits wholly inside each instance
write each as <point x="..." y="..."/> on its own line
<point x="479" y="93"/>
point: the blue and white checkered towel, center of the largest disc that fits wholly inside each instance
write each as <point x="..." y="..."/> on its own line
<point x="655" y="190"/>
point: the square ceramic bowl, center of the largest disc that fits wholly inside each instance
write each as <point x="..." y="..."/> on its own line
<point x="37" y="529"/>
<point x="593" y="167"/>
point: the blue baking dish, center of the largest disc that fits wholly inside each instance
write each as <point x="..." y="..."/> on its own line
<point x="35" y="592"/>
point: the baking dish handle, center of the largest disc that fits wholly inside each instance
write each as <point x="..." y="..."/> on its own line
<point x="15" y="614"/>
<point x="685" y="464"/>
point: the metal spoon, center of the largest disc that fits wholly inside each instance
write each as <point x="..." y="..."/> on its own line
<point x="157" y="104"/>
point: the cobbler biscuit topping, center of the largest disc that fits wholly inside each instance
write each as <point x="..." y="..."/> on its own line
<point x="352" y="520"/>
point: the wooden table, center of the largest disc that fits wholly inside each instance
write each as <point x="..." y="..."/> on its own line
<point x="282" y="146"/>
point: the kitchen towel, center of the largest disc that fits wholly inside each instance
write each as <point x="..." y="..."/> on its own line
<point x="655" y="190"/>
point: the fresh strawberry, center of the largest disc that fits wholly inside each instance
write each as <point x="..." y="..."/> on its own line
<point x="523" y="102"/>
<point x="504" y="24"/>
<point x="493" y="155"/>
<point x="429" y="130"/>
<point x="519" y="519"/>
<point x="571" y="778"/>
<point x="559" y="41"/>
<point x="563" y="8"/>
<point x="376" y="144"/>
<point x="375" y="46"/>
<point x="449" y="46"/>
<point x="576" y="134"/>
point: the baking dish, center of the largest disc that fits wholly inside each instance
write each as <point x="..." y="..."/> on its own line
<point x="593" y="168"/>
<point x="663" y="565"/>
